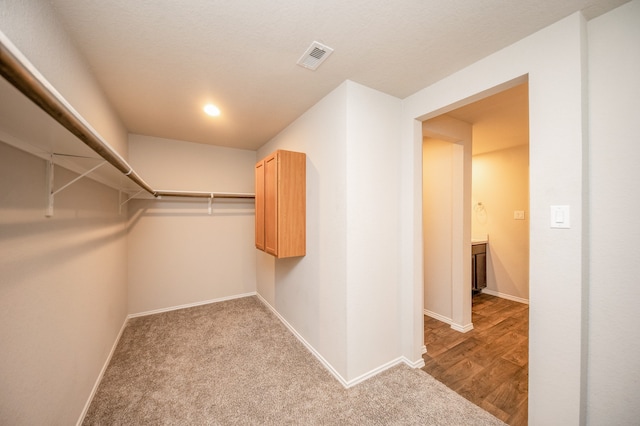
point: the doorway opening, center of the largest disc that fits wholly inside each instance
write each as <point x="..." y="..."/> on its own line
<point x="476" y="202"/>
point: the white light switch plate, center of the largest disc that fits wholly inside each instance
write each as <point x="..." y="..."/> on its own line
<point x="560" y="217"/>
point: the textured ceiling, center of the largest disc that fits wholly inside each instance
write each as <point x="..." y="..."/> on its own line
<point x="500" y="121"/>
<point x="160" y="61"/>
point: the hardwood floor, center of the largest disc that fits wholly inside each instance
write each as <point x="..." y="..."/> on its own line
<point x="489" y="364"/>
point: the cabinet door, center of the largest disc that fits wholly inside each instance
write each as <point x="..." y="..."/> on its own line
<point x="259" y="180"/>
<point x="481" y="271"/>
<point x="291" y="204"/>
<point x="281" y="204"/>
<point x="474" y="278"/>
<point x="271" y="204"/>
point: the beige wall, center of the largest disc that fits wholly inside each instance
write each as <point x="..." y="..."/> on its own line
<point x="178" y="253"/>
<point x="501" y="184"/>
<point x="63" y="290"/>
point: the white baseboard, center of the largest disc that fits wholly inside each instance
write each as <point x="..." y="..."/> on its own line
<point x="437" y="316"/>
<point x="400" y="360"/>
<point x="462" y="328"/>
<point x="191" y="305"/>
<point x="505" y="296"/>
<point x="99" y="379"/>
<point x="416" y="364"/>
<point x="447" y="320"/>
<point x="306" y="344"/>
<point x="346" y="383"/>
<point x="377" y="371"/>
<point x="141" y="314"/>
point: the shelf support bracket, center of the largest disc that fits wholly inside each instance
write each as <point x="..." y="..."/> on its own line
<point x="129" y="199"/>
<point x="51" y="193"/>
<point x="210" y="202"/>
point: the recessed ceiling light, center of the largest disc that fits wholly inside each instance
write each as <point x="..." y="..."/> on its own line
<point x="211" y="110"/>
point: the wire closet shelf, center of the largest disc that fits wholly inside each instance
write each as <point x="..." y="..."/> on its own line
<point x="18" y="71"/>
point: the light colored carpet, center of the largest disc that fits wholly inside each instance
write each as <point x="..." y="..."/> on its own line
<point x="234" y="363"/>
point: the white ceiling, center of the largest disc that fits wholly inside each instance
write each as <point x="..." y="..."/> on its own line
<point x="500" y="121"/>
<point x="160" y="61"/>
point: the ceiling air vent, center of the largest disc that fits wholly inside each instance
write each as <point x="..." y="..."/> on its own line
<point x="314" y="56"/>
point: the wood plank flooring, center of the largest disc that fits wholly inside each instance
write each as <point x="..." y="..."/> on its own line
<point x="489" y="364"/>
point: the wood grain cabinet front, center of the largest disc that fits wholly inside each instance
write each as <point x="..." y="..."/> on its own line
<point x="478" y="267"/>
<point x="281" y="204"/>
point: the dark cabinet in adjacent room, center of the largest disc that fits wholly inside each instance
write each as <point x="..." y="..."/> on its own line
<point x="478" y="266"/>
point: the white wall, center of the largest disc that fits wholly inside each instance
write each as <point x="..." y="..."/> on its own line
<point x="614" y="96"/>
<point x="310" y="292"/>
<point x="373" y="124"/>
<point x="554" y="60"/>
<point x="446" y="200"/>
<point x="501" y="184"/>
<point x="437" y="166"/>
<point x="62" y="290"/>
<point x="178" y="253"/>
<point x="341" y="298"/>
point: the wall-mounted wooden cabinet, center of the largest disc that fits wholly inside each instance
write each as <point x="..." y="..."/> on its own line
<point x="281" y="204"/>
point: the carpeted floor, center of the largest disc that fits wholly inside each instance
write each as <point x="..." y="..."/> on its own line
<point x="234" y="363"/>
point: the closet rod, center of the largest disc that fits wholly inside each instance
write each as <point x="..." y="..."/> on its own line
<point x="23" y="76"/>
<point x="197" y="194"/>
<point x="17" y="70"/>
